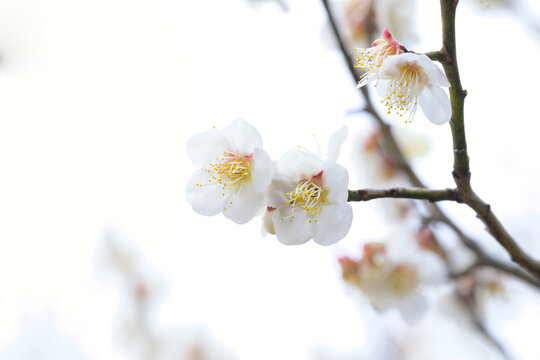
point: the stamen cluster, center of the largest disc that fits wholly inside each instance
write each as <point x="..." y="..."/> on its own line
<point x="370" y="59"/>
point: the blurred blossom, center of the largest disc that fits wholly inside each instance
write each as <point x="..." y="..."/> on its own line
<point x="234" y="175"/>
<point x="377" y="166"/>
<point x="400" y="17"/>
<point x="484" y="5"/>
<point x="482" y="284"/>
<point x="359" y="20"/>
<point x="42" y="339"/>
<point x="118" y="259"/>
<point x="137" y="330"/>
<point x="190" y="343"/>
<point x="308" y="198"/>
<point x="519" y="10"/>
<point x="426" y="240"/>
<point x="391" y="275"/>
<point x="358" y="14"/>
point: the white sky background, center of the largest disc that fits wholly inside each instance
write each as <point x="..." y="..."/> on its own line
<point x="97" y="101"/>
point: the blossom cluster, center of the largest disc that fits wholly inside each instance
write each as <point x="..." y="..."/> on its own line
<point x="405" y="80"/>
<point x="304" y="195"/>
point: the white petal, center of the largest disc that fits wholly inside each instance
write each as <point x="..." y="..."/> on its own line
<point x="336" y="182"/>
<point x="295" y="232"/>
<point x="207" y="199"/>
<point x="275" y="193"/>
<point x="262" y="170"/>
<point x="243" y="205"/>
<point x="382" y="87"/>
<point x="336" y="140"/>
<point x="391" y="65"/>
<point x="412" y="307"/>
<point x="334" y="223"/>
<point x="299" y="165"/>
<point x="242" y="137"/>
<point x="205" y="147"/>
<point x="268" y="225"/>
<point x="432" y="71"/>
<point x="435" y="104"/>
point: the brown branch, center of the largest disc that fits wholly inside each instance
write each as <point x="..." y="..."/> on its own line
<point x="461" y="173"/>
<point x="404" y="193"/>
<point x="393" y="151"/>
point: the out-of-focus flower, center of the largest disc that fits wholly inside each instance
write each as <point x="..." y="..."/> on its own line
<point x="398" y="15"/>
<point x="190" y="343"/>
<point x="357" y="16"/>
<point x="377" y="166"/>
<point x="371" y="59"/>
<point x="484" y="284"/>
<point x="390" y="281"/>
<point x="492" y="4"/>
<point x="42" y="338"/>
<point x="137" y="329"/>
<point x="308" y="198"/>
<point x="426" y="240"/>
<point x="235" y="174"/>
<point x="409" y="79"/>
<point x="360" y="19"/>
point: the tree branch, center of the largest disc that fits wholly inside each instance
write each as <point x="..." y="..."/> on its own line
<point x="461" y="173"/>
<point x="404" y="193"/>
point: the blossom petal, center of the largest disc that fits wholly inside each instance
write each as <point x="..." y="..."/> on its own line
<point x="207" y="199"/>
<point x="412" y="307"/>
<point x="336" y="182"/>
<point x="268" y="225"/>
<point x="382" y="87"/>
<point x="242" y="137"/>
<point x="336" y="140"/>
<point x="299" y="165"/>
<point x="435" y="104"/>
<point x="262" y="169"/>
<point x="390" y="67"/>
<point x="275" y="193"/>
<point x="432" y="71"/>
<point x="242" y="206"/>
<point x="295" y="232"/>
<point x="205" y="147"/>
<point x="334" y="223"/>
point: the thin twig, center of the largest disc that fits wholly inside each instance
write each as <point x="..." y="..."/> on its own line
<point x="470" y="305"/>
<point x="403" y="193"/>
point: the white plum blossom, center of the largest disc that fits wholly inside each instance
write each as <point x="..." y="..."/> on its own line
<point x="234" y="175"/>
<point x="371" y="59"/>
<point x="308" y="197"/>
<point x="406" y="80"/>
